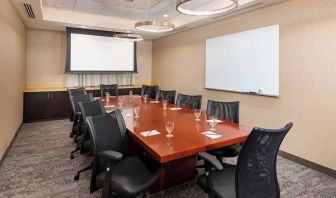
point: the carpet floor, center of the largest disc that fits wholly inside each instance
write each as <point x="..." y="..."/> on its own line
<point x="38" y="165"/>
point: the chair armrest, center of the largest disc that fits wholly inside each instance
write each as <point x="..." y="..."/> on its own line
<point x="211" y="160"/>
<point x="111" y="155"/>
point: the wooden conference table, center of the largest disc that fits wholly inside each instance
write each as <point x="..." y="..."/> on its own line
<point x="176" y="154"/>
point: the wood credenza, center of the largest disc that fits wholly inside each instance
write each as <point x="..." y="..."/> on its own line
<point x="48" y="105"/>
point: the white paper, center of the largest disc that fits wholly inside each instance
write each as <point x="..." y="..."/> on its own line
<point x="155" y="101"/>
<point x="109" y="106"/>
<point x="150" y="133"/>
<point x="175" y="108"/>
<point x="126" y="114"/>
<point x="212" y="134"/>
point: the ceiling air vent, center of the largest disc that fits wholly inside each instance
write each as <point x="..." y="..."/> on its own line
<point x="29" y="10"/>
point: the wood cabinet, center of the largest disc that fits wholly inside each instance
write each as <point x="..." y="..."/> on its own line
<point x="55" y="104"/>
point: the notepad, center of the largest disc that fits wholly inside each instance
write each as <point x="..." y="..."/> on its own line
<point x="109" y="106"/>
<point x="212" y="134"/>
<point x="175" y="108"/>
<point x="150" y="133"/>
<point x="154" y="101"/>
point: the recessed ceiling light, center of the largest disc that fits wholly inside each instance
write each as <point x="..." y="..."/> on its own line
<point x="82" y="26"/>
<point x="128" y="31"/>
<point x="165" y="15"/>
<point x="57" y="5"/>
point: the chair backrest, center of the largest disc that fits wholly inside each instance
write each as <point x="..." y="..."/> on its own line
<point x="112" y="89"/>
<point x="92" y="108"/>
<point x="166" y="95"/>
<point x="224" y="110"/>
<point x="256" y="175"/>
<point x="107" y="132"/>
<point x="190" y="102"/>
<point x="77" y="92"/>
<point x="76" y="99"/>
<point x="150" y="91"/>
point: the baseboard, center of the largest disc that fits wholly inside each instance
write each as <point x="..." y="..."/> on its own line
<point x="10" y="145"/>
<point x="47" y="119"/>
<point x="309" y="164"/>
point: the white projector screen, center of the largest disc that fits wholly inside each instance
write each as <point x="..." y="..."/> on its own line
<point x="99" y="53"/>
<point x="245" y="62"/>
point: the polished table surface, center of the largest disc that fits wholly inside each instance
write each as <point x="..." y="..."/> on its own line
<point x="188" y="139"/>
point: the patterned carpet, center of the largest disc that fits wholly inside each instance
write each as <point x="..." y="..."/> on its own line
<point x="38" y="165"/>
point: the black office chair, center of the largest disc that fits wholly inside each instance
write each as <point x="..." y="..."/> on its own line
<point x="166" y="95"/>
<point x="150" y="91"/>
<point x="112" y="89"/>
<point x="189" y="102"/>
<point x="254" y="176"/>
<point x="93" y="108"/>
<point x="75" y="92"/>
<point x="119" y="176"/>
<point x="226" y="111"/>
<point x="77" y="118"/>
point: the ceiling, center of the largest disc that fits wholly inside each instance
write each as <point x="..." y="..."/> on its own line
<point x="120" y="15"/>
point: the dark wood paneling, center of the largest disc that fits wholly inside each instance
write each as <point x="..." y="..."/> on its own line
<point x="35" y="106"/>
<point x="54" y="104"/>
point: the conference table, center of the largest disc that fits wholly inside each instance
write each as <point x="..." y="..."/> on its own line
<point x="176" y="154"/>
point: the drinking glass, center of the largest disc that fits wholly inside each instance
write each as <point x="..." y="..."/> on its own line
<point x="197" y="113"/>
<point x="169" y="128"/>
<point x="213" y="122"/>
<point x="120" y="102"/>
<point x="136" y="112"/>
<point x="130" y="93"/>
<point x="145" y="97"/>
<point x="107" y="94"/>
<point x="164" y="104"/>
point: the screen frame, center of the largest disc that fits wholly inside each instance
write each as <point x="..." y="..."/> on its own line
<point x="70" y="30"/>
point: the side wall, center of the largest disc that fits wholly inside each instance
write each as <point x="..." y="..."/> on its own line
<point x="307" y="73"/>
<point x="12" y="73"/>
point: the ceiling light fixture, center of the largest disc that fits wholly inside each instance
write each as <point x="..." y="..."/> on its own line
<point x="184" y="7"/>
<point x="128" y="36"/>
<point x="154" y="26"/>
<point x="82" y="26"/>
<point x="165" y="15"/>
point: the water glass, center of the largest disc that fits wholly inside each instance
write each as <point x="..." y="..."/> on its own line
<point x="145" y="97"/>
<point x="120" y="102"/>
<point x="169" y="128"/>
<point x="164" y="104"/>
<point x="107" y="94"/>
<point x="197" y="113"/>
<point x="136" y="112"/>
<point x="213" y="122"/>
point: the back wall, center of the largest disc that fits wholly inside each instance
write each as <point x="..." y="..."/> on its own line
<point x="307" y="73"/>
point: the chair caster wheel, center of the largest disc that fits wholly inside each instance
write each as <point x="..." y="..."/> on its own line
<point x="76" y="177"/>
<point x="72" y="156"/>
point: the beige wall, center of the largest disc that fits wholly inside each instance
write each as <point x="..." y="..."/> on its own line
<point x="46" y="51"/>
<point x="307" y="73"/>
<point x="12" y="73"/>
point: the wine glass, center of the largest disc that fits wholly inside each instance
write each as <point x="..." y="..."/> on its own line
<point x="213" y="122"/>
<point x="130" y="93"/>
<point x="120" y="102"/>
<point x="107" y="95"/>
<point x="136" y="112"/>
<point x="169" y="128"/>
<point x="145" y="97"/>
<point x="197" y="113"/>
<point x="164" y="104"/>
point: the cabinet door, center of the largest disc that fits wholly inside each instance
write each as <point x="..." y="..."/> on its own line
<point x="35" y="106"/>
<point x="59" y="104"/>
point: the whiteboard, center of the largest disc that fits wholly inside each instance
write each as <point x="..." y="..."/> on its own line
<point x="245" y="62"/>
